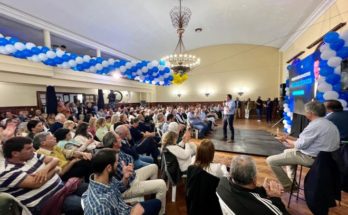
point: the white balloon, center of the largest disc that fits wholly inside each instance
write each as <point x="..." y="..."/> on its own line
<point x="10" y="49"/>
<point x="86" y="58"/>
<point x="338" y="70"/>
<point x="128" y="65"/>
<point x="19" y="46"/>
<point x="51" y="54"/>
<point x="153" y="82"/>
<point x="288" y="130"/>
<point x="328" y="54"/>
<point x="1" y="36"/>
<point x="285" y="105"/>
<point x="289" y="114"/>
<point x="99" y="66"/>
<point x="79" y="60"/>
<point x="35" y="58"/>
<point x="122" y="69"/>
<point x="285" y="122"/>
<point x="105" y="63"/>
<point x="144" y="70"/>
<point x="161" y="67"/>
<point x="42" y="57"/>
<point x="324" y="87"/>
<point x="321" y="79"/>
<point x="3" y="50"/>
<point x="331" y="95"/>
<point x="343" y="102"/>
<point x="324" y="47"/>
<point x="92" y="69"/>
<point x="154" y="63"/>
<point x="111" y="61"/>
<point x="334" y="61"/>
<point x="72" y="63"/>
<point x="29" y="45"/>
<point x="166" y="75"/>
<point x="60" y="53"/>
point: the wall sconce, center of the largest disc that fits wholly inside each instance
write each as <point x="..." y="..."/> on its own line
<point x="179" y="95"/>
<point x="207" y="94"/>
<point x="240" y="93"/>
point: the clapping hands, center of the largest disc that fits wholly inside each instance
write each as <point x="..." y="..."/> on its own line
<point x="273" y="188"/>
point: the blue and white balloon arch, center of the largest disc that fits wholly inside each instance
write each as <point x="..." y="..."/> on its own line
<point x="332" y="52"/>
<point x="150" y="72"/>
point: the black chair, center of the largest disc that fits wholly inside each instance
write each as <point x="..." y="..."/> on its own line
<point x="296" y="182"/>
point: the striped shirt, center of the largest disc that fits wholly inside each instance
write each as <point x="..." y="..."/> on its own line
<point x="11" y="175"/>
<point x="104" y="199"/>
<point x="127" y="159"/>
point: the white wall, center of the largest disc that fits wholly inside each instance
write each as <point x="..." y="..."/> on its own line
<point x="228" y="69"/>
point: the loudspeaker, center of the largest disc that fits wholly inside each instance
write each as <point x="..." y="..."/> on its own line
<point x="282" y="90"/>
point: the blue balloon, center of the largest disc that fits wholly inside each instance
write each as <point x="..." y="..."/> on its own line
<point x="13" y="40"/>
<point x="57" y="60"/>
<point x="337" y="87"/>
<point x="344" y="96"/>
<point x="325" y="71"/>
<point x="323" y="63"/>
<point x="27" y="53"/>
<point x="336" y="45"/>
<point x="44" y="49"/>
<point x="73" y="56"/>
<point x="155" y="69"/>
<point x="331" y="37"/>
<point x="3" y="41"/>
<point x="35" y="50"/>
<point x="65" y="57"/>
<point x="343" y="53"/>
<point x="99" y="60"/>
<point x="319" y="96"/>
<point x="333" y="79"/>
<point x="167" y="70"/>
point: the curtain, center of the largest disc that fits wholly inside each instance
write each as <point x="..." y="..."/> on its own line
<point x="51" y="100"/>
<point x="100" y="99"/>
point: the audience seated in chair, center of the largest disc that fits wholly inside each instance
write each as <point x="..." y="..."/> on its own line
<point x="84" y="138"/>
<point x="34" y="127"/>
<point x="338" y="116"/>
<point x="202" y="182"/>
<point x="239" y="194"/>
<point x="103" y="196"/>
<point x="59" y="122"/>
<point x="72" y="163"/>
<point x="184" y="151"/>
<point x="29" y="171"/>
<point x="142" y="181"/>
<point x="144" y="142"/>
<point x="319" y="135"/>
<point x="129" y="148"/>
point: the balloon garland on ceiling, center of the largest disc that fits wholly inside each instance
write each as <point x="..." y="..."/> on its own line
<point x="150" y="72"/>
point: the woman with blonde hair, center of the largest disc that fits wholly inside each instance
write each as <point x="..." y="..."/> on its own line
<point x="101" y="127"/>
<point x="69" y="124"/>
<point x="184" y="151"/>
<point x="92" y="125"/>
<point x="114" y="119"/>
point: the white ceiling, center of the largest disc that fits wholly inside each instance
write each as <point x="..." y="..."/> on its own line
<point x="142" y="28"/>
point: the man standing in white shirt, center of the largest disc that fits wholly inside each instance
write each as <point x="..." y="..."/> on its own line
<point x="229" y="109"/>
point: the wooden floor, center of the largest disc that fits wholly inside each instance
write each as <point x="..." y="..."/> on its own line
<point x="297" y="207"/>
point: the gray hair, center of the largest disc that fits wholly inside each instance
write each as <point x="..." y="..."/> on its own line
<point x="109" y="139"/>
<point x="243" y="170"/>
<point x="316" y="108"/>
<point x="39" y="138"/>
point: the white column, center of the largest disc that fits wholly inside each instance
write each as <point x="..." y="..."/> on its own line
<point x="98" y="53"/>
<point x="47" y="38"/>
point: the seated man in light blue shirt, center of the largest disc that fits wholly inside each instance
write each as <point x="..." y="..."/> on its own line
<point x="196" y="122"/>
<point x="319" y="135"/>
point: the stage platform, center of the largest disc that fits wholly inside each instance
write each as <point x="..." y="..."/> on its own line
<point x="246" y="141"/>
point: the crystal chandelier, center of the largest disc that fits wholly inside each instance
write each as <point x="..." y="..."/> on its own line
<point x="181" y="62"/>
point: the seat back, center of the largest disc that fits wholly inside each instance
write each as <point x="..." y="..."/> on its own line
<point x="170" y="167"/>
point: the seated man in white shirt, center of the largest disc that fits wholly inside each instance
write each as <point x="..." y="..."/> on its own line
<point x="319" y="135"/>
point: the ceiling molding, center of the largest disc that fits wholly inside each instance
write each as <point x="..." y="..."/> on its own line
<point x="322" y="7"/>
<point x="41" y="24"/>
